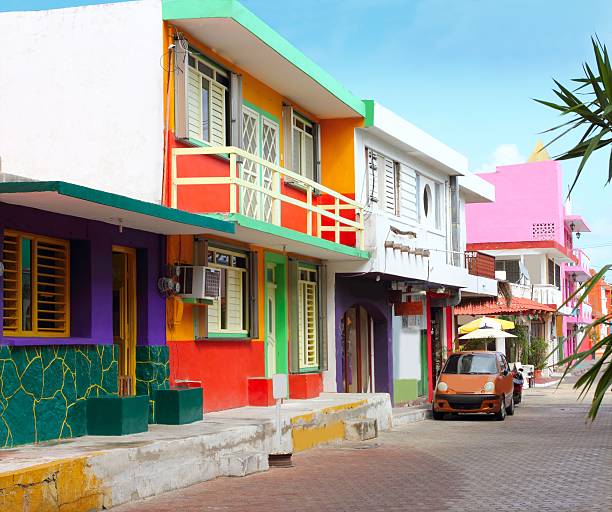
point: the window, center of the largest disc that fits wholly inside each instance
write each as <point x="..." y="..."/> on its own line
<point x="554" y="273"/>
<point x="427" y="200"/>
<point x="383" y="182"/>
<point x="230" y="313"/>
<point x="430" y="199"/>
<point x="36" y="285"/>
<point x="466" y="364"/>
<point x="512" y="269"/>
<point x="308" y="312"/>
<point x="207" y="88"/>
<point x="303" y="147"/>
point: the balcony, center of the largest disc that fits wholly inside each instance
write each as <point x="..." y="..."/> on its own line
<point x="542" y="293"/>
<point x="579" y="269"/>
<point x="480" y="264"/>
<point x="229" y="180"/>
<point x="581" y="313"/>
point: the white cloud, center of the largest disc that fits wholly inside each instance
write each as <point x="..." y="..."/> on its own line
<point x="504" y="154"/>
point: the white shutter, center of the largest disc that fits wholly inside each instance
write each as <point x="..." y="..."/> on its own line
<point x="214" y="316"/>
<point x="408" y="193"/>
<point x="389" y="187"/>
<point x="308" y="156"/>
<point x="194" y="105"/>
<point x="217" y="114"/>
<point x="372" y="176"/>
<point x="234" y="300"/>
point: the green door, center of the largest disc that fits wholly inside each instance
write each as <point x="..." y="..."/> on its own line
<point x="423" y="381"/>
<point x="275" y="314"/>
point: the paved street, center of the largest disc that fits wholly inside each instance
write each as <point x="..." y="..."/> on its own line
<point x="545" y="458"/>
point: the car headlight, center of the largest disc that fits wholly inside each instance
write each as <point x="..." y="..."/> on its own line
<point x="489" y="387"/>
<point x="442" y="386"/>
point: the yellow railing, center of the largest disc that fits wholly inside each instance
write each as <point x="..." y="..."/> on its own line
<point x="255" y="188"/>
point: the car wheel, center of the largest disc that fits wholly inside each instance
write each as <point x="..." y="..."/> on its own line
<point x="437" y="415"/>
<point x="501" y="415"/>
<point x="510" y="410"/>
<point x="517" y="399"/>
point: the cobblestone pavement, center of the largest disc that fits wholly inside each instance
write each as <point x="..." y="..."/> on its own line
<point x="544" y="458"/>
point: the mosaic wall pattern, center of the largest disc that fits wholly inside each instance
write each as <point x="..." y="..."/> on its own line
<point x="152" y="372"/>
<point x="44" y="390"/>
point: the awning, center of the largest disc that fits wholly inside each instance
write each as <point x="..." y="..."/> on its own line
<point x="517" y="306"/>
<point x="88" y="203"/>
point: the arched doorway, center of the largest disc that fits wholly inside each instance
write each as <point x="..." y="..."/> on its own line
<point x="357" y="350"/>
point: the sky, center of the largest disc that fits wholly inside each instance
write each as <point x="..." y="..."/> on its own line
<point x="466" y="71"/>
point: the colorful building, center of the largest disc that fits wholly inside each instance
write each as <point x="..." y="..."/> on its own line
<point x="600" y="302"/>
<point x="531" y="233"/>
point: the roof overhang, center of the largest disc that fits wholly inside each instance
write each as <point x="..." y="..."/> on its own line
<point x="87" y="203"/>
<point x="515" y="249"/>
<point x="580" y="225"/>
<point x="402" y="134"/>
<point x="256" y="232"/>
<point x="476" y="190"/>
<point x="236" y="34"/>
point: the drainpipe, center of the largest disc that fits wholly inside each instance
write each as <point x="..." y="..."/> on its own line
<point x="455" y="227"/>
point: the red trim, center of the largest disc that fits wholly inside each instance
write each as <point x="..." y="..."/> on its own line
<point x="528" y="244"/>
<point x="429" y="353"/>
<point x="449" y="329"/>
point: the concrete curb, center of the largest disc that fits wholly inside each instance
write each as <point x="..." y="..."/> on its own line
<point x="411" y="415"/>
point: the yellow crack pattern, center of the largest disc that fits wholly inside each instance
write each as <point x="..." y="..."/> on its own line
<point x="152" y="372"/>
<point x="44" y="389"/>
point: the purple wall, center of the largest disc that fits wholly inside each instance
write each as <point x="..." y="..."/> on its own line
<point x="372" y="296"/>
<point x="91" y="275"/>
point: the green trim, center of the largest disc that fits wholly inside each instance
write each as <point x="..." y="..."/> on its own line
<point x="194" y="9"/>
<point x="369" y="113"/>
<point x="291" y="234"/>
<point x="226" y="336"/>
<point x="207" y="302"/>
<point x="405" y="390"/>
<point x="261" y="111"/>
<point x="308" y="265"/>
<point x="121" y="202"/>
<point x="282" y="328"/>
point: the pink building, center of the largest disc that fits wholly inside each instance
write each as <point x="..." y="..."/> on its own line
<point x="530" y="233"/>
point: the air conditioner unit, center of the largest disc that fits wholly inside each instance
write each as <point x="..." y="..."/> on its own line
<point x="198" y="282"/>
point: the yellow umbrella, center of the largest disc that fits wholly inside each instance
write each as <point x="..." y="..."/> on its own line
<point x="486" y="322"/>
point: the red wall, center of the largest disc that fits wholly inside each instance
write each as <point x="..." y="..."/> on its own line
<point x="222" y="367"/>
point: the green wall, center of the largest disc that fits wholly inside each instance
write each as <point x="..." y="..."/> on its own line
<point x="44" y="390"/>
<point x="405" y="390"/>
<point x="152" y="372"/>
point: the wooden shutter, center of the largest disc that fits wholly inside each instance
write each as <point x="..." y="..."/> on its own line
<point x="288" y="137"/>
<point x="316" y="135"/>
<point x="217" y="114"/>
<point x="294" y="360"/>
<point x="389" y="191"/>
<point x="194" y="104"/>
<point x="233" y="297"/>
<point x="51" y="286"/>
<point x="236" y="110"/>
<point x="180" y="89"/>
<point x="372" y="162"/>
<point x="307" y="323"/>
<point x="253" y="294"/>
<point x="322" y="324"/>
<point x="10" y="310"/>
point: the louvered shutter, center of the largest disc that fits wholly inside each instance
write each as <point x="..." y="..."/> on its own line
<point x="372" y="160"/>
<point x="51" y="287"/>
<point x="288" y="137"/>
<point x="233" y="297"/>
<point x="217" y="114"/>
<point x="253" y="294"/>
<point x="194" y="105"/>
<point x="11" y="289"/>
<point x="316" y="135"/>
<point x="322" y="316"/>
<point x="389" y="186"/>
<point x="294" y="360"/>
<point x="180" y="89"/>
<point x="236" y="110"/>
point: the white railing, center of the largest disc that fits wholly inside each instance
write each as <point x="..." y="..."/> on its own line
<point x="255" y="188"/>
<point x="542" y="293"/>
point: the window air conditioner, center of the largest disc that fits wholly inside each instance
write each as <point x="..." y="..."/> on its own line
<point x="199" y="282"/>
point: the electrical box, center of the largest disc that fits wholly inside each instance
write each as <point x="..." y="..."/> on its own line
<point x="280" y="386"/>
<point x="199" y="282"/>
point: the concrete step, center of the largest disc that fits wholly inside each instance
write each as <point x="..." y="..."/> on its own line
<point x="406" y="415"/>
<point x="360" y="429"/>
<point x="244" y="463"/>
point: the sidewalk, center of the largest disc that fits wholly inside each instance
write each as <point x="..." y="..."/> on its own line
<point x="91" y="472"/>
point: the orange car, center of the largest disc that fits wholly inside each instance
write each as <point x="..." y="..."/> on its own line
<point x="475" y="382"/>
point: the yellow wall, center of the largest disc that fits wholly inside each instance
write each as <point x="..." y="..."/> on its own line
<point x="337" y="135"/>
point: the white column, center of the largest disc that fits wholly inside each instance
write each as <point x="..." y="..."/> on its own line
<point x="500" y="345"/>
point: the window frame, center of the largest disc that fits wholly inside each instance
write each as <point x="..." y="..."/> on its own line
<point x="306" y="122"/>
<point x="303" y="364"/>
<point x="36" y="331"/>
<point x="376" y="167"/>
<point x="216" y="69"/>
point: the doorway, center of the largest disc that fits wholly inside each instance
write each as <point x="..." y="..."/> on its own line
<point x="124" y="317"/>
<point x="358" y="331"/>
<point x="275" y="315"/>
<point x="437" y="344"/>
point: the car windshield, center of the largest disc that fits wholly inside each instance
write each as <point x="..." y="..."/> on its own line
<point x="471" y="364"/>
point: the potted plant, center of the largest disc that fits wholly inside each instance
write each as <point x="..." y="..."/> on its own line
<point x="537" y="355"/>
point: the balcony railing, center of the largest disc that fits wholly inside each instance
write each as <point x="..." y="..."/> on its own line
<point x="257" y="189"/>
<point x="480" y="264"/>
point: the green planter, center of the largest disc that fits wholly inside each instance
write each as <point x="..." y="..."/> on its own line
<point x="177" y="406"/>
<point x="117" y="415"/>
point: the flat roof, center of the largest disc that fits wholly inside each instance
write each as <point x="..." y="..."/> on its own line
<point x="88" y="203"/>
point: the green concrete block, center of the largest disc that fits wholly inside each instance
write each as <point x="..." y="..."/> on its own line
<point x="178" y="406"/>
<point x="117" y="415"/>
<point x="405" y="390"/>
<point x="152" y="372"/>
